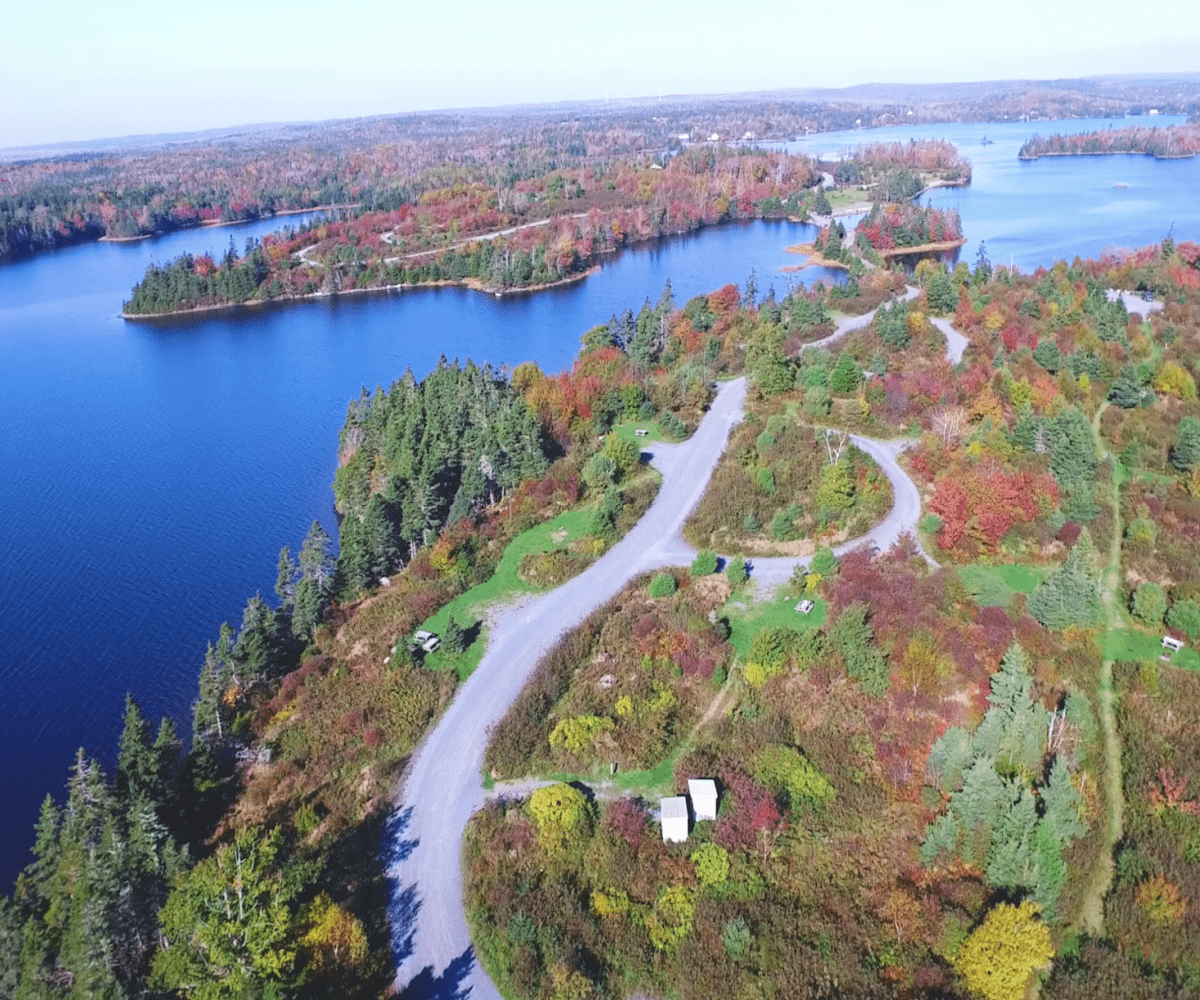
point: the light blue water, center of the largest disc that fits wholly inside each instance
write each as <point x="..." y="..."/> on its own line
<point x="1038" y="211"/>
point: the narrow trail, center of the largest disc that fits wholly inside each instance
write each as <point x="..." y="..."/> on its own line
<point x="1092" y="909"/>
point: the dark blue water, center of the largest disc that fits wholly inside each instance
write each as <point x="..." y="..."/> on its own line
<point x="1035" y="212"/>
<point x="153" y="471"/>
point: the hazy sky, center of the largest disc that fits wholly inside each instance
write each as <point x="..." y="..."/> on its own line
<point x="76" y="70"/>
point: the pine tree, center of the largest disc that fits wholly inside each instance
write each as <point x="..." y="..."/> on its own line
<point x="454" y="637"/>
<point x="137" y="763"/>
<point x="847" y="374"/>
<point x="1185" y="455"/>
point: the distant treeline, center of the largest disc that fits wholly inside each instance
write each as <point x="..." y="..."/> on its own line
<point x="1162" y="143"/>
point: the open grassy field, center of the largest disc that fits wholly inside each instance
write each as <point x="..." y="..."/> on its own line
<point x="748" y="617"/>
<point x="996" y="586"/>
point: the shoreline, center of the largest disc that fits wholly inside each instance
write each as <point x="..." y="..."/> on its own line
<point x="814" y="258"/>
<point x="923" y="248"/>
<point x="469" y="283"/>
<point x="1030" y="157"/>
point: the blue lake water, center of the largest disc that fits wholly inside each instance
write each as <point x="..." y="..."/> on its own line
<point x="1034" y="212"/>
<point x="153" y="471"/>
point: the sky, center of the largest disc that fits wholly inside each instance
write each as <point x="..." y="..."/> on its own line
<point x="74" y="70"/>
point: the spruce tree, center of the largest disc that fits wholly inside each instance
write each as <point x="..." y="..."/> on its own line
<point x="137" y="764"/>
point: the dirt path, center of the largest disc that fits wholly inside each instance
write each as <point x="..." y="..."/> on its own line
<point x="1092" y="909"/>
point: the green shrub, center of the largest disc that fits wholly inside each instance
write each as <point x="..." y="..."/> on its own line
<point x="1149" y="604"/>
<point x="662" y="585"/>
<point x="705" y="563"/>
<point x="736" y="938"/>
<point x="712" y="864"/>
<point x="735" y="572"/>
<point x="1184" y="616"/>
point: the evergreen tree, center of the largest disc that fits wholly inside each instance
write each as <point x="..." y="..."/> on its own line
<point x="1011" y="863"/>
<point x="1048" y="355"/>
<point x="1014" y="726"/>
<point x="847" y="374"/>
<point x="285" y="578"/>
<point x="1127" y="390"/>
<point x="137" y="763"/>
<point x="1067" y="597"/>
<point x="1185" y="455"/>
<point x="455" y="637"/>
<point x="942" y="295"/>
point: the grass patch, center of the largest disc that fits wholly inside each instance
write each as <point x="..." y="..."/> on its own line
<point x="1130" y="644"/>
<point x="748" y="617"/>
<point x="996" y="586"/>
<point x="656" y="781"/>
<point x="470" y="607"/>
<point x="627" y="429"/>
<point x="842" y="197"/>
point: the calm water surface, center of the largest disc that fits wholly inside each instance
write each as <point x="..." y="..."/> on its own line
<point x="1038" y="211"/>
<point x="153" y="471"/>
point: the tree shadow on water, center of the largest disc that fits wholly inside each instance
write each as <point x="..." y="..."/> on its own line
<point x="450" y="985"/>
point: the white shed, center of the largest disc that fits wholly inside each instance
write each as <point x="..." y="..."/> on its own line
<point x="704" y="797"/>
<point x="674" y="818"/>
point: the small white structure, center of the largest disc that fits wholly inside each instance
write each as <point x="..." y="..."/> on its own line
<point x="641" y="432"/>
<point x="704" y="797"/>
<point x="674" y="812"/>
<point x="805" y="607"/>
<point x="1174" y="645"/>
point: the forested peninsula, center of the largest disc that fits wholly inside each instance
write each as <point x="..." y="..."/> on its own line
<point x="539" y="231"/>
<point x="1174" y="142"/>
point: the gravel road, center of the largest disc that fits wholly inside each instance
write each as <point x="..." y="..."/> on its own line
<point x="431" y="945"/>
<point x="443" y="787"/>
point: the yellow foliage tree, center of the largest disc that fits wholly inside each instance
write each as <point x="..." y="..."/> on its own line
<point x="559" y="810"/>
<point x="579" y="733"/>
<point x="610" y="902"/>
<point x="1001" y="954"/>
<point x="335" y="938"/>
<point x="671" y="919"/>
<point x="1161" y="900"/>
<point x="1174" y="380"/>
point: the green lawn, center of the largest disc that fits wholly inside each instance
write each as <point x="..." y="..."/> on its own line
<point x="470" y="607"/>
<point x="996" y="586"/>
<point x="627" y="429"/>
<point x="748" y="617"/>
<point x="841" y="197"/>
<point x="651" y="783"/>
<point x="1130" y="644"/>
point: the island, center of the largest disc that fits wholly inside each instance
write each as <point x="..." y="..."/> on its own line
<point x="1174" y="142"/>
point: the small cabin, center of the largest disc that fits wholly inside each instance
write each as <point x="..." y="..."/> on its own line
<point x="1171" y="645"/>
<point x="674" y="812"/>
<point x="703" y="792"/>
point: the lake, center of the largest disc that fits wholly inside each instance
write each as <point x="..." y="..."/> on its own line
<point x="156" y="469"/>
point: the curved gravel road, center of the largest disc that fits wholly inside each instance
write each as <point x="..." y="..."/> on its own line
<point x="442" y="787"/>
